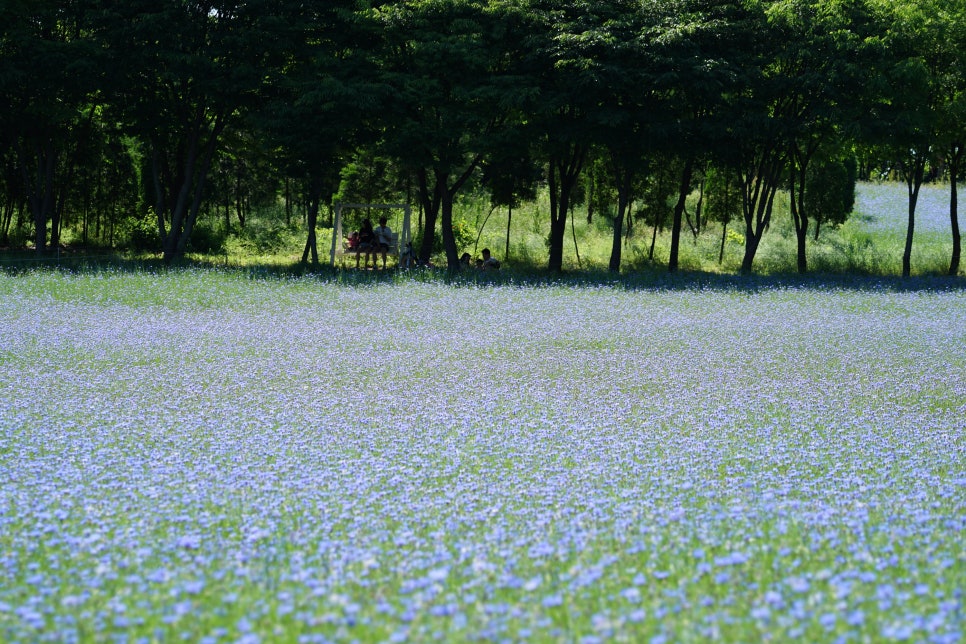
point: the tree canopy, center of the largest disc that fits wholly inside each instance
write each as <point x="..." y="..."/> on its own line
<point x="457" y="95"/>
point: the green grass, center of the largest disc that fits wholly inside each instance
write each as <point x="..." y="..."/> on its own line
<point x="871" y="243"/>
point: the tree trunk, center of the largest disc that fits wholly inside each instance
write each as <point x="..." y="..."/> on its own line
<point x="684" y="188"/>
<point x="509" y="218"/>
<point x="563" y="174"/>
<point x="449" y="239"/>
<point x="699" y="211"/>
<point x="724" y="238"/>
<point x="180" y="190"/>
<point x="624" y="181"/>
<point x="430" y="205"/>
<point x="914" y="177"/>
<point x="311" y="242"/>
<point x="955" y="161"/>
<point x="797" y="203"/>
<point x="558" y="229"/>
<point x="759" y="185"/>
<point x="757" y="223"/>
<point x="39" y="186"/>
<point x="751" y="249"/>
<point x="45" y="195"/>
<point x="615" y="249"/>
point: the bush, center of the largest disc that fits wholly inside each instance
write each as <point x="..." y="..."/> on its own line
<point x="205" y="239"/>
<point x="141" y="234"/>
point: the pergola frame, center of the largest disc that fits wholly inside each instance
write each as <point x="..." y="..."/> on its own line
<point x="405" y="235"/>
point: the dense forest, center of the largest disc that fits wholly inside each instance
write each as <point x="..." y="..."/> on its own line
<point x="123" y="121"/>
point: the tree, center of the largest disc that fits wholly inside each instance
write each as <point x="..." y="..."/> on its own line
<point x="829" y="189"/>
<point x="179" y="93"/>
<point x="694" y="48"/>
<point x="607" y="49"/>
<point x="323" y="104"/>
<point x="565" y="55"/>
<point x="50" y="84"/>
<point x="952" y="109"/>
<point x="452" y="89"/>
<point x="724" y="197"/>
<point x="510" y="175"/>
<point x="905" y="116"/>
<point x="754" y="143"/>
<point x="818" y="68"/>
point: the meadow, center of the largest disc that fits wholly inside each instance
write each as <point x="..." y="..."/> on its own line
<point x="212" y="456"/>
<point x="870" y="243"/>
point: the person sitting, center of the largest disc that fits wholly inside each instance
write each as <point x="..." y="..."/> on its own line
<point x="353" y="241"/>
<point x="465" y="262"/>
<point x="367" y="241"/>
<point x="489" y="263"/>
<point x="383" y="240"/>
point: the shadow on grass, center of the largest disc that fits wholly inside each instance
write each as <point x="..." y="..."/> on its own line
<point x="650" y="279"/>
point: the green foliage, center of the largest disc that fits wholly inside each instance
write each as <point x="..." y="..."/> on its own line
<point x="830" y="189"/>
<point x="264" y="238"/>
<point x="722" y="195"/>
<point x="463" y="231"/>
<point x="368" y="179"/>
<point x="141" y="234"/>
<point x="106" y="114"/>
<point x="465" y="234"/>
<point x="656" y="204"/>
<point x="207" y="239"/>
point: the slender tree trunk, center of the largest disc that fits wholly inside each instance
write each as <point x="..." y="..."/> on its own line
<point x="759" y="185"/>
<point x="46" y="211"/>
<point x="724" y="238"/>
<point x="179" y="190"/>
<point x="624" y="180"/>
<point x="696" y="226"/>
<point x="509" y="218"/>
<point x="201" y="181"/>
<point x="615" y="249"/>
<point x="684" y="188"/>
<point x="563" y="175"/>
<point x="39" y="188"/>
<point x="559" y="205"/>
<point x="449" y="239"/>
<point x="573" y="232"/>
<point x="914" y="178"/>
<point x="311" y="242"/>
<point x="430" y="201"/>
<point x="955" y="160"/>
<point x="797" y="203"/>
<point x="756" y="225"/>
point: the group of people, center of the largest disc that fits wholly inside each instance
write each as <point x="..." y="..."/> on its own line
<point x="485" y="263"/>
<point x="370" y="241"/>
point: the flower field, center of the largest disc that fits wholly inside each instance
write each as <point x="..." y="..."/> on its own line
<point x="199" y="456"/>
<point x="887" y="207"/>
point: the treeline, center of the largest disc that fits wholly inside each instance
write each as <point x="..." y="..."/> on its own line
<point x="123" y="120"/>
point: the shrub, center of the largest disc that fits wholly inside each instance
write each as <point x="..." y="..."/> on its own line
<point x="141" y="233"/>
